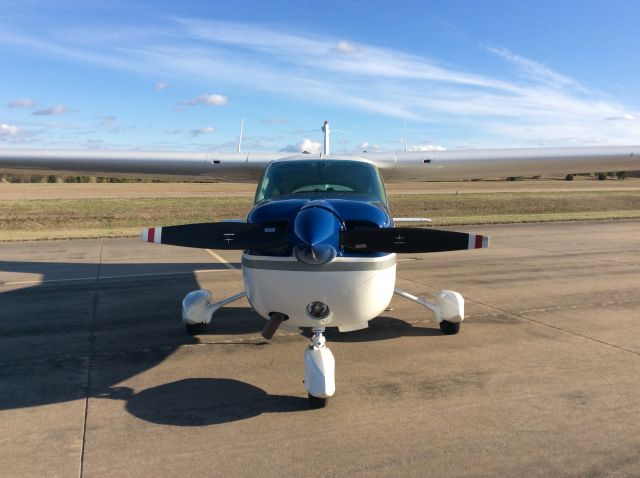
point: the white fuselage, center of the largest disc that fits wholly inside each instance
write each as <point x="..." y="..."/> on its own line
<point x="356" y="289"/>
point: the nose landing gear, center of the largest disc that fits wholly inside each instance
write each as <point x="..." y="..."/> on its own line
<point x="319" y="370"/>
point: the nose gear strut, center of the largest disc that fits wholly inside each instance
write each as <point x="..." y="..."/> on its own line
<point x="319" y="370"/>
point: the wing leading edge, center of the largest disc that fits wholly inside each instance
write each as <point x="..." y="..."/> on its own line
<point x="394" y="166"/>
<point x="501" y="163"/>
<point x="153" y="164"/>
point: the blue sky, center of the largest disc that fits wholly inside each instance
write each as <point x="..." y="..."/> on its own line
<point x="181" y="75"/>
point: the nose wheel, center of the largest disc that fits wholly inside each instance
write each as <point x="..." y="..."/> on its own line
<point x="317" y="402"/>
<point x="319" y="370"/>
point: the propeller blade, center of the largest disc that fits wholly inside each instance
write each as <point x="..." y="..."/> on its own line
<point x="407" y="239"/>
<point x="219" y="235"/>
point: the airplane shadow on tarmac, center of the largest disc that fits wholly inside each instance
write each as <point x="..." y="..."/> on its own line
<point x="64" y="340"/>
<point x="211" y="401"/>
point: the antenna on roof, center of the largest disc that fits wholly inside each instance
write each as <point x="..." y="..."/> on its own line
<point x="404" y="127"/>
<point x="240" y="137"/>
<point x="325" y="130"/>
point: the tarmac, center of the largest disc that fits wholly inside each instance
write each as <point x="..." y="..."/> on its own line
<point x="98" y="377"/>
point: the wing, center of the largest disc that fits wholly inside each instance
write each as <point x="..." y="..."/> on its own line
<point x="395" y="166"/>
<point x="501" y="163"/>
<point x="176" y="165"/>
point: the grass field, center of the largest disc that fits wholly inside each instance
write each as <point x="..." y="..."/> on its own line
<point x="113" y="217"/>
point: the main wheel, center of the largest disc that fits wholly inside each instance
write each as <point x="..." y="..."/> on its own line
<point x="317" y="402"/>
<point x="195" y="329"/>
<point x="449" y="328"/>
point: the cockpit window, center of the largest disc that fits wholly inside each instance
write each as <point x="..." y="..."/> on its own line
<point x="327" y="177"/>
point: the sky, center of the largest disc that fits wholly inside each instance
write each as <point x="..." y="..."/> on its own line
<point x="451" y="74"/>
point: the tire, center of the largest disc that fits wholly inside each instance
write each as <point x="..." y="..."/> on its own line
<point x="317" y="402"/>
<point x="449" y="328"/>
<point x="195" y="329"/>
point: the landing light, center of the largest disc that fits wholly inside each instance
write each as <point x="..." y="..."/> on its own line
<point x="318" y="310"/>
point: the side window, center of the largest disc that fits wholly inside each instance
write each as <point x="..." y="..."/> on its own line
<point x="264" y="188"/>
<point x="261" y="191"/>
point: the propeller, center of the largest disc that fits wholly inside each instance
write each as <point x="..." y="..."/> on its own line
<point x="407" y="239"/>
<point x="219" y="235"/>
<point x="318" y="232"/>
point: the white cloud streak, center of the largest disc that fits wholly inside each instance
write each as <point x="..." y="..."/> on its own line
<point x="208" y="100"/>
<point x="536" y="105"/>
<point x="274" y="121"/>
<point x="344" y="46"/>
<point x="53" y="111"/>
<point x="202" y="131"/>
<point x="426" y="147"/>
<point x="533" y="70"/>
<point x="626" y="117"/>
<point x="22" y="103"/>
<point x="108" y="121"/>
<point x="366" y="146"/>
<point x="7" y="130"/>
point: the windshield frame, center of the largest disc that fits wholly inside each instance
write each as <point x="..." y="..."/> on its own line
<point x="266" y="190"/>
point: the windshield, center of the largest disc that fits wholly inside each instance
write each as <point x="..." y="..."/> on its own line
<point x="308" y="177"/>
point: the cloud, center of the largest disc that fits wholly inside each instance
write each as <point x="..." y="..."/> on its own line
<point x="533" y="70"/>
<point x="272" y="121"/>
<point x="108" y="121"/>
<point x="209" y="100"/>
<point x="426" y="147"/>
<point x="368" y="147"/>
<point x="200" y="131"/>
<point x="7" y="130"/>
<point x="53" y="111"/>
<point x="309" y="145"/>
<point x="22" y="103"/>
<point x="94" y="143"/>
<point x="344" y="47"/>
<point x="160" y="86"/>
<point x="529" y="104"/>
<point x="626" y="117"/>
<point x="305" y="145"/>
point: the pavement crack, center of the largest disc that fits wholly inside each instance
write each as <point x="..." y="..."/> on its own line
<point x="560" y="329"/>
<point x="521" y="316"/>
<point x="94" y="355"/>
<point x="593" y="257"/>
<point x="92" y="339"/>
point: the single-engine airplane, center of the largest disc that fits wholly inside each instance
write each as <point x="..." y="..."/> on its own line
<point x="319" y="245"/>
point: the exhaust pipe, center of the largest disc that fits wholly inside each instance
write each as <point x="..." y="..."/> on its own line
<point x="272" y="325"/>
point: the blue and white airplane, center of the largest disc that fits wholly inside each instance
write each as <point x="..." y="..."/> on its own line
<point x="319" y="245"/>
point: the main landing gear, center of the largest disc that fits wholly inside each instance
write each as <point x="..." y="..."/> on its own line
<point x="448" y="308"/>
<point x="449" y="328"/>
<point x="197" y="309"/>
<point x="319" y="363"/>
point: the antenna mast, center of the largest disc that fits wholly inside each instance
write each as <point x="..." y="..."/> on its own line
<point x="240" y="137"/>
<point x="404" y="127"/>
<point x="325" y="130"/>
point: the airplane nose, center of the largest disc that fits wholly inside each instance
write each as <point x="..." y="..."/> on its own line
<point x="316" y="225"/>
<point x="315" y="255"/>
<point x="318" y="230"/>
